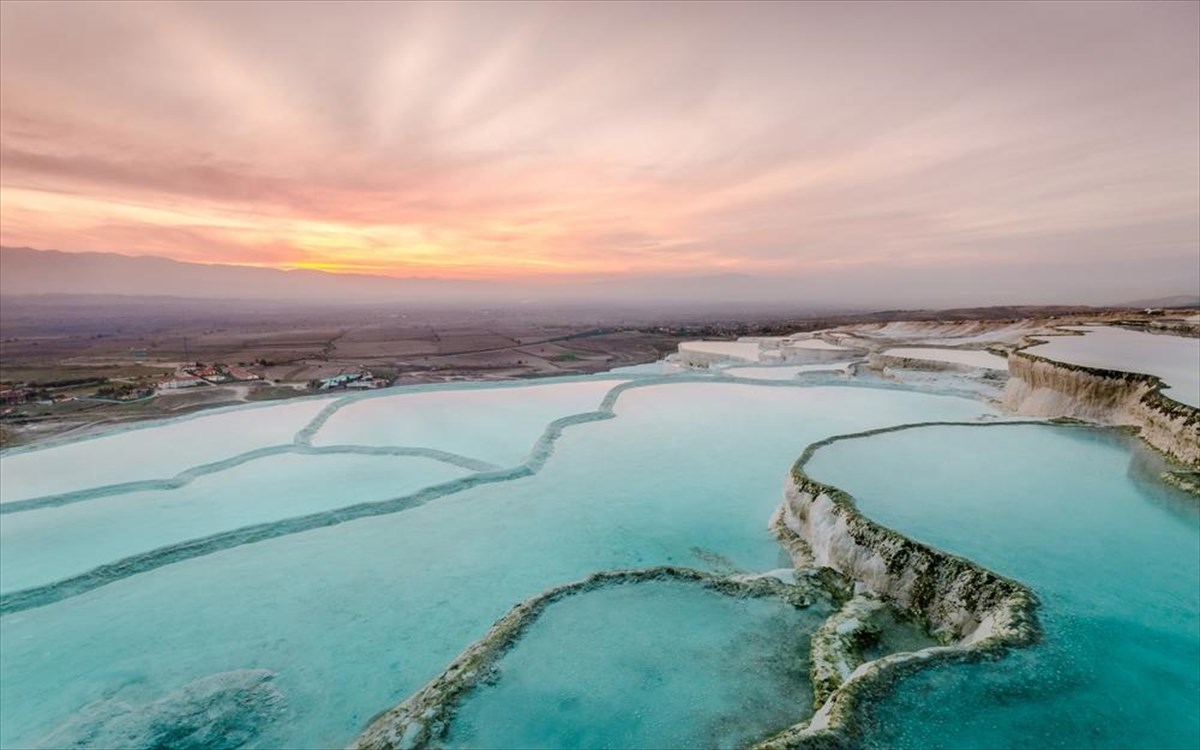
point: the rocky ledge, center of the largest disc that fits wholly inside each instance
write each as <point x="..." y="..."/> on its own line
<point x="424" y="719"/>
<point x="974" y="612"/>
<point x="1045" y="388"/>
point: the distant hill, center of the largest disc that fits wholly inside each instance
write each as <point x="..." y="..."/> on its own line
<point x="26" y="271"/>
<point x="1178" y="300"/>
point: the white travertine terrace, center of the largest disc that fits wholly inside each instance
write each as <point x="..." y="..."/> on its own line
<point x="797" y="348"/>
<point x="818" y="344"/>
<point x="1173" y="359"/>
<point x="967" y="357"/>
<point x="787" y="372"/>
<point x="705" y="353"/>
<point x="1045" y="388"/>
<point x="934" y="333"/>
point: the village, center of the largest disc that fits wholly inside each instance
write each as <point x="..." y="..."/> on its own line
<point x="143" y="387"/>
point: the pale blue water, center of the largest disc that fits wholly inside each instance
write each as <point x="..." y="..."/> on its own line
<point x="1115" y="561"/>
<point x="1175" y="359"/>
<point x="47" y="545"/>
<point x="498" y="424"/>
<point x="356" y="616"/>
<point x="158" y="452"/>
<point x="658" y="665"/>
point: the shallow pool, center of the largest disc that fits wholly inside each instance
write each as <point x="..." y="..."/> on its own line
<point x="1114" y="558"/>
<point x="655" y="665"/>
<point x="353" y="615"/>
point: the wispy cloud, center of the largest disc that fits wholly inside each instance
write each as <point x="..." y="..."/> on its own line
<point x="501" y="139"/>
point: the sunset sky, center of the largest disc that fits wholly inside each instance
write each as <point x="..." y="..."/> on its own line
<point x="498" y="140"/>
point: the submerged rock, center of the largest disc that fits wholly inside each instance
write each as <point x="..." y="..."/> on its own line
<point x="837" y="647"/>
<point x="224" y="710"/>
<point x="1188" y="481"/>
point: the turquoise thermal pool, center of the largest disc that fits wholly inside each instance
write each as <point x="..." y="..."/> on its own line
<point x="658" y="664"/>
<point x="296" y="569"/>
<point x="58" y="542"/>
<point x="1114" y="558"/>
<point x="687" y="473"/>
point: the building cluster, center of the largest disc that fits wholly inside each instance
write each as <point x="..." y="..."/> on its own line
<point x="198" y="373"/>
<point x="48" y="392"/>
<point x="349" y="380"/>
<point x="18" y="395"/>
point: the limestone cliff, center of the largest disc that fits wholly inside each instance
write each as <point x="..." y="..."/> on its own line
<point x="1042" y="387"/>
<point x="972" y="610"/>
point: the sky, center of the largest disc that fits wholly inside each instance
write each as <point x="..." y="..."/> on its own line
<point x="966" y="144"/>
